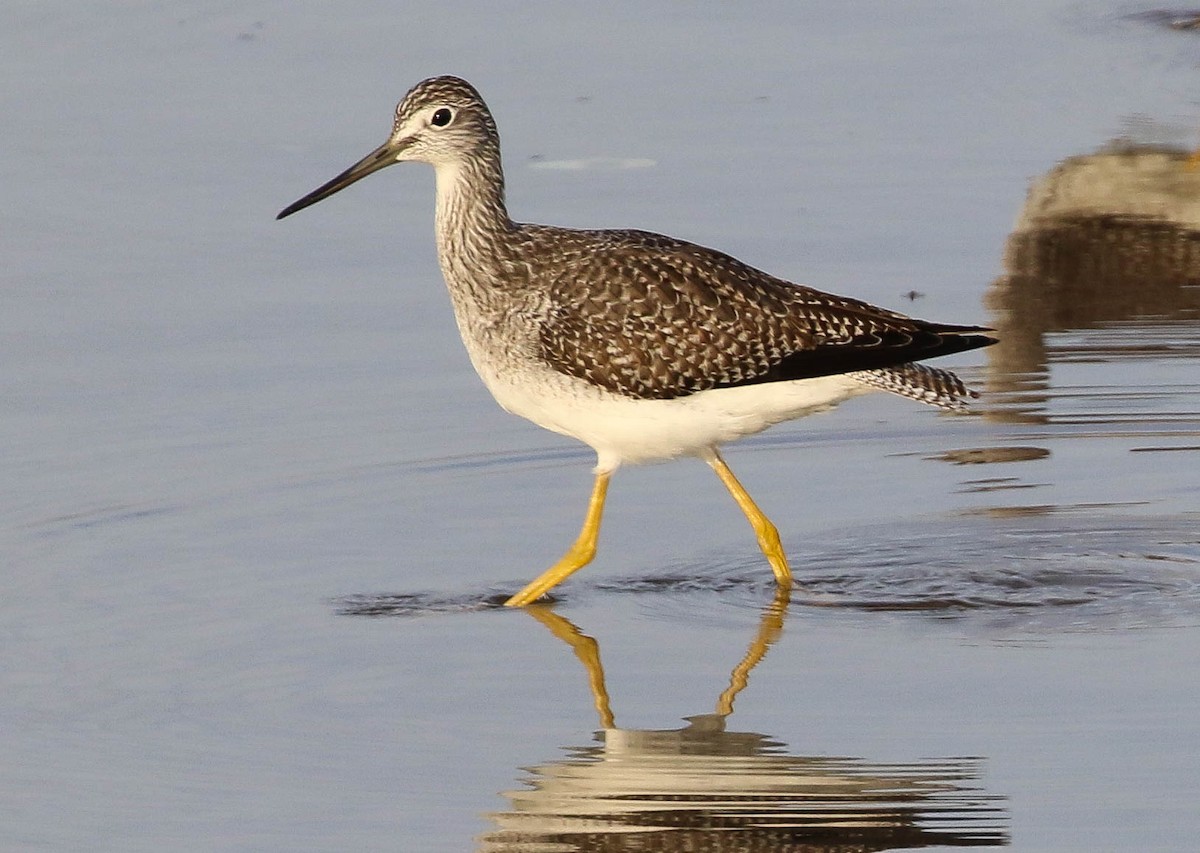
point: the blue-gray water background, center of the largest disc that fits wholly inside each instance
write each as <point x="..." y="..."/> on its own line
<point x="222" y="438"/>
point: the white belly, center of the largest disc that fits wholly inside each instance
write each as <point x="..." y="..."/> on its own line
<point x="621" y="429"/>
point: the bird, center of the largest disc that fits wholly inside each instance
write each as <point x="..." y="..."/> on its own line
<point x="642" y="346"/>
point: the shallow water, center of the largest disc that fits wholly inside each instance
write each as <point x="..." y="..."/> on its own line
<point x="258" y="515"/>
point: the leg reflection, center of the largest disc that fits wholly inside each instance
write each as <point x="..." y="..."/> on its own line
<point x="588" y="652"/>
<point x="770" y="627"/>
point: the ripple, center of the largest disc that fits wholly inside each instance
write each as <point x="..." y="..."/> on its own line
<point x="416" y="603"/>
<point x="1033" y="573"/>
<point x="990" y="455"/>
<point x="1039" y="573"/>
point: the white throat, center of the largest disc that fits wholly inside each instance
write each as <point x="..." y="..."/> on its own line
<point x="449" y="182"/>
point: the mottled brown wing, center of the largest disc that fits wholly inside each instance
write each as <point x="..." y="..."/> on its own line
<point x="654" y="318"/>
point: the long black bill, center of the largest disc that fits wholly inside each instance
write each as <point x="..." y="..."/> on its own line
<point x="384" y="155"/>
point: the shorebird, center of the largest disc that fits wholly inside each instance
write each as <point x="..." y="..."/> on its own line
<point x="642" y="346"/>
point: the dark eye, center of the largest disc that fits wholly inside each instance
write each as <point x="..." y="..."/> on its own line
<point x="441" y="118"/>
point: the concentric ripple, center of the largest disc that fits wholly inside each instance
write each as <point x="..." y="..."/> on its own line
<point x="1048" y="572"/>
<point x="1037" y="574"/>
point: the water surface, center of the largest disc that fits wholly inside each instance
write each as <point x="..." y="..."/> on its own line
<point x="257" y="514"/>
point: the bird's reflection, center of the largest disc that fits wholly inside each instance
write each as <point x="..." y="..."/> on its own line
<point x="1103" y="240"/>
<point x="704" y="787"/>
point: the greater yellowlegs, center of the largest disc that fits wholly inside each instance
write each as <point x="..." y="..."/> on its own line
<point x="643" y="346"/>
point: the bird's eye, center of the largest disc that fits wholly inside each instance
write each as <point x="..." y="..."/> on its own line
<point x="441" y="118"/>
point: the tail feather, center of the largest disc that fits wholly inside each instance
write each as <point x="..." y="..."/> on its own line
<point x="922" y="383"/>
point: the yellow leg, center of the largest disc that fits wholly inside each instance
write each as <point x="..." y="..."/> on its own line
<point x="768" y="536"/>
<point x="579" y="554"/>
<point x="1193" y="161"/>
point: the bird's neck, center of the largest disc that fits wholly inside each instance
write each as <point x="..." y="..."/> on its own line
<point x="472" y="220"/>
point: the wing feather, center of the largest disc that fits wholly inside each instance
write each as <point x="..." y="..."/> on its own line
<point x="651" y="317"/>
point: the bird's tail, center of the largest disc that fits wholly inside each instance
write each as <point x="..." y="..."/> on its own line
<point x="918" y="382"/>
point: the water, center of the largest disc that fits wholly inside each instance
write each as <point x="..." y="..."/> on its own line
<point x="257" y="513"/>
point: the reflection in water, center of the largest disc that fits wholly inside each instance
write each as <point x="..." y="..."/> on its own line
<point x="703" y="787"/>
<point x="1108" y="242"/>
<point x="990" y="455"/>
<point x="1183" y="20"/>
